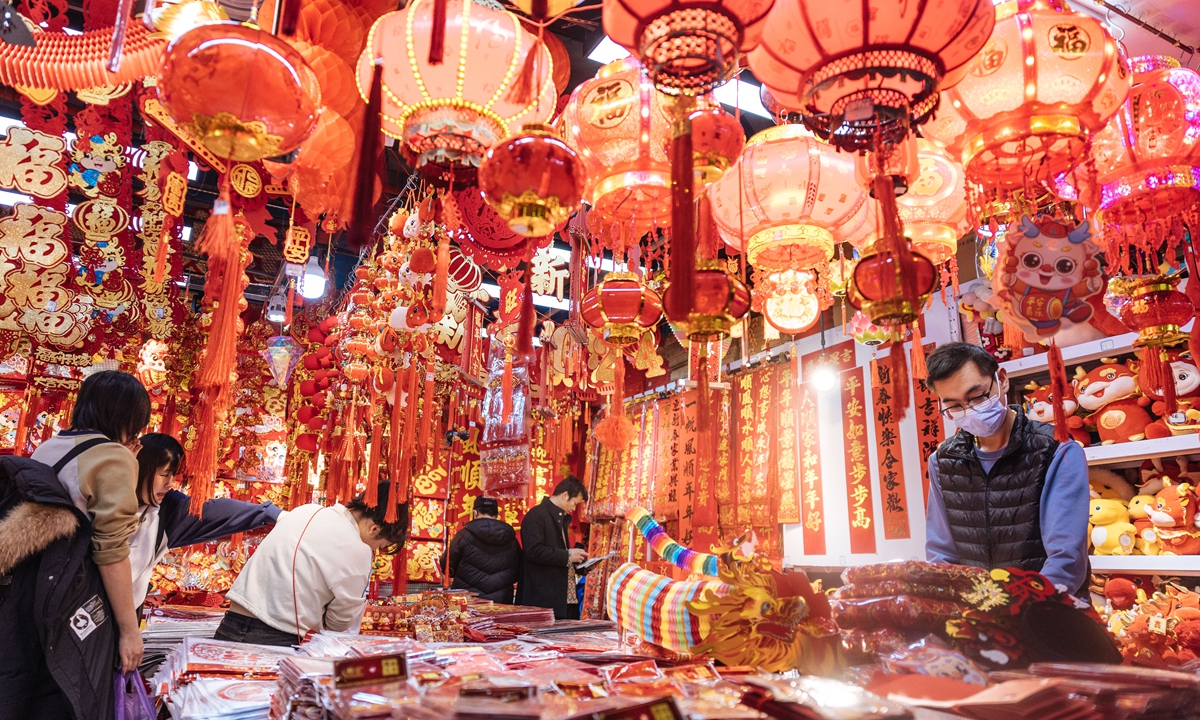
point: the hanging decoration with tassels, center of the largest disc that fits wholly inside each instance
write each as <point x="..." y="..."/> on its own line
<point x="1156" y="310"/>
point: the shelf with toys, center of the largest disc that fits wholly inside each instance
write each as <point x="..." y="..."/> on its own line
<point x="1147" y="564"/>
<point x="1137" y="451"/>
<point x="1073" y="354"/>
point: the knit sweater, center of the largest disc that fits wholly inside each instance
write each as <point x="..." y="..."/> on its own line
<point x="102" y="482"/>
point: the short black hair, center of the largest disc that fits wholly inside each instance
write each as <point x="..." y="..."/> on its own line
<point x="113" y="403"/>
<point x="950" y="358"/>
<point x="158" y="451"/>
<point x="572" y="486"/>
<point x="487" y="506"/>
<point x="396" y="532"/>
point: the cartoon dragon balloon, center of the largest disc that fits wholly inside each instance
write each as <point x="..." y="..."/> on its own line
<point x="748" y="614"/>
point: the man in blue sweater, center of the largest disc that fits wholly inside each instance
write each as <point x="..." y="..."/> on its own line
<point x="1002" y="491"/>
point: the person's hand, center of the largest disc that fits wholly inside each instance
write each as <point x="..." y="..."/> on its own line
<point x="578" y="555"/>
<point x="131" y="649"/>
<point x="135" y="446"/>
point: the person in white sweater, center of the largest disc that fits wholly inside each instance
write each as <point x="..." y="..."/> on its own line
<point x="311" y="572"/>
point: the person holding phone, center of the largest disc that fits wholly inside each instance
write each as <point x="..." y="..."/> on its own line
<point x="548" y="573"/>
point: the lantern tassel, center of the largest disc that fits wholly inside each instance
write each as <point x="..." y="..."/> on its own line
<point x="1059" y="387"/>
<point x="396" y="423"/>
<point x="524" y="88"/>
<point x="528" y="317"/>
<point x="437" y="304"/>
<point x="202" y="462"/>
<point x="900" y="377"/>
<point x="893" y="238"/>
<point x="291" y="16"/>
<point x="372" y="490"/>
<point x="1193" y="293"/>
<point x="919" y="371"/>
<point x="362" y="219"/>
<point x="427" y="415"/>
<point x="400" y="572"/>
<point x="393" y="511"/>
<point x="1170" y="402"/>
<point x="679" y="297"/>
<point x="702" y="383"/>
<point x="437" y="36"/>
<point x="160" y="255"/>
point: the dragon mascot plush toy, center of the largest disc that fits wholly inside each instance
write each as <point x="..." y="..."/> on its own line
<point x="744" y="613"/>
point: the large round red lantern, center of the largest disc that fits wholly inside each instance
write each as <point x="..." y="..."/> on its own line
<point x="621" y="308"/>
<point x="620" y="126"/>
<point x="242" y="92"/>
<point x="533" y="180"/>
<point x="1047" y="80"/>
<point x="880" y="285"/>
<point x="688" y="46"/>
<point x="791" y="199"/>
<point x="717" y="142"/>
<point x="865" y="72"/>
<point x="1154" y="308"/>
<point x="448" y="115"/>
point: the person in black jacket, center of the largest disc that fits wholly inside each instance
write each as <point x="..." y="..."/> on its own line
<point x="484" y="556"/>
<point x="548" y="571"/>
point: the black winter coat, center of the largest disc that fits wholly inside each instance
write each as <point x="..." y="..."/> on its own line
<point x="54" y="613"/>
<point x="544" y="577"/>
<point x="485" y="557"/>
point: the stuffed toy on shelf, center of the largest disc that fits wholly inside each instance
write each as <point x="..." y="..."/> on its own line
<point x="1174" y="517"/>
<point x="1187" y="398"/>
<point x="1039" y="405"/>
<point x="1109" y="527"/>
<point x="1110" y="394"/>
<point x="1105" y="483"/>
<point x="1146" y="541"/>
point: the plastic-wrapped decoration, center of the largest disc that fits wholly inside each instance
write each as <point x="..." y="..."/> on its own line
<point x="504" y="451"/>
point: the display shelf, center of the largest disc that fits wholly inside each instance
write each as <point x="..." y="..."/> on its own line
<point x="1149" y="564"/>
<point x="1083" y="352"/>
<point x="1142" y="449"/>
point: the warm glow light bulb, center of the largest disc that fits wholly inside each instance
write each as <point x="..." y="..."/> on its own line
<point x="312" y="285"/>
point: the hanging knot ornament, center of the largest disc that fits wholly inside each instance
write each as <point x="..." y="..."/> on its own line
<point x="621" y="308"/>
<point x="241" y="92"/>
<point x="1156" y="310"/>
<point x="533" y="180"/>
<point x="447" y="114"/>
<point x="689" y="47"/>
<point x="864" y="73"/>
<point x="1048" y="79"/>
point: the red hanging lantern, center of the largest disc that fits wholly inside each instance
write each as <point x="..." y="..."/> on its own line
<point x="717" y="142"/>
<point x="689" y="47"/>
<point x="533" y="180"/>
<point x="876" y="286"/>
<point x="621" y="307"/>
<point x="719" y="300"/>
<point x="1155" y="309"/>
<point x="866" y="71"/>
<point x="242" y="92"/>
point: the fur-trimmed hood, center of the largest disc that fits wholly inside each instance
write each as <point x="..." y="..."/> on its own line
<point x="30" y="528"/>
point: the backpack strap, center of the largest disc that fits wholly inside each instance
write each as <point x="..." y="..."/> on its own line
<point x="77" y="451"/>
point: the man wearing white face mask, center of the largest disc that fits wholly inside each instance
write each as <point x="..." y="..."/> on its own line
<point x="1002" y="491"/>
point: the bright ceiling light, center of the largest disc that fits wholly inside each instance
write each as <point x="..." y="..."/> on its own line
<point x="312" y="284"/>
<point x="276" y="308"/>
<point x="824" y="378"/>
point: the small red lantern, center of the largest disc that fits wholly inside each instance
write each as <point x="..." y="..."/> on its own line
<point x="533" y="180"/>
<point x="719" y="300"/>
<point x="622" y="308"/>
<point x="877" y="286"/>
<point x="717" y="142"/>
<point x="242" y="92"/>
<point x="1156" y="309"/>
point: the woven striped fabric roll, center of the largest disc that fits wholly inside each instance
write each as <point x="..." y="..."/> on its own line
<point x="669" y="550"/>
<point x="654" y="607"/>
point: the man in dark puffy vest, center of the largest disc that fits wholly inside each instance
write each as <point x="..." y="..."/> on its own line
<point x="1002" y="491"/>
<point x="484" y="556"/>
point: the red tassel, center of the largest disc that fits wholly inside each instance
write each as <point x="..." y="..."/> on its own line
<point x="524" y="88"/>
<point x="528" y="317"/>
<point x="395" y="431"/>
<point x="437" y="304"/>
<point x="291" y="15"/>
<point x="1170" y="403"/>
<point x="372" y="489"/>
<point x="362" y="218"/>
<point x="437" y="38"/>
<point x="506" y="388"/>
<point x="681" y="292"/>
<point x="1059" y="387"/>
<point x="291" y="303"/>
<point x="1193" y="293"/>
<point x="202" y="462"/>
<point x="893" y="239"/>
<point x="1156" y="378"/>
<point x="392" y="511"/>
<point x="427" y="415"/>
<point x="160" y="254"/>
<point x="900" y="380"/>
<point x="919" y="371"/>
<point x="400" y="574"/>
<point x="702" y="382"/>
<point x="1013" y="338"/>
<point x="121" y="22"/>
